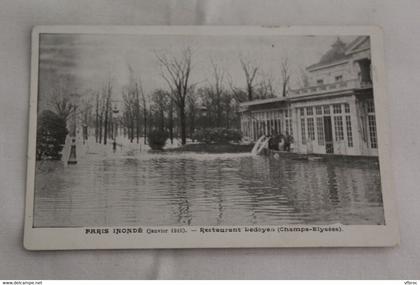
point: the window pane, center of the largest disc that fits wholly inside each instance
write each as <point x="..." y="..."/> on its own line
<point x="302" y="125"/>
<point x="337" y="108"/>
<point x="318" y="110"/>
<point x="372" y="131"/>
<point x="338" y="127"/>
<point x="347" y="108"/>
<point x="370" y="106"/>
<point x="326" y="109"/>
<point x="320" y="130"/>
<point x="311" y="129"/>
<point x="309" y="111"/>
<point x="349" y="132"/>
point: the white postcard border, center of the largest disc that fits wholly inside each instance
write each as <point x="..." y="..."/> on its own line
<point x="349" y="236"/>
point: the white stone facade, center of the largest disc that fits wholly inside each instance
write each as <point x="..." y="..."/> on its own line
<point x="335" y="114"/>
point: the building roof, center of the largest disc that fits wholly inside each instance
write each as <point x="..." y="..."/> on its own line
<point x="339" y="51"/>
<point x="359" y="42"/>
<point x="263" y="101"/>
<point x="339" y="91"/>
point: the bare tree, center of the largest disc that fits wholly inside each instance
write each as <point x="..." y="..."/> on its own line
<point x="238" y="94"/>
<point x="63" y="98"/>
<point x="97" y="104"/>
<point x="130" y="112"/>
<point x="160" y="100"/>
<point x="136" y="107"/>
<point x="227" y="106"/>
<point x="285" y="76"/>
<point x="250" y="71"/>
<point x="86" y="113"/>
<point x="176" y="72"/>
<point x="171" y="119"/>
<point x="63" y="102"/>
<point x="217" y="91"/>
<point x="100" y="117"/>
<point x="143" y="103"/>
<point x="136" y="87"/>
<point x="63" y="107"/>
<point x="192" y="111"/>
<point x="265" y="88"/>
<point x="107" y="93"/>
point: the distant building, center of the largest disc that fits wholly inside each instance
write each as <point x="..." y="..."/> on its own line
<point x="334" y="114"/>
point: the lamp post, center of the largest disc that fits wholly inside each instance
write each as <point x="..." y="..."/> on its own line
<point x="115" y="112"/>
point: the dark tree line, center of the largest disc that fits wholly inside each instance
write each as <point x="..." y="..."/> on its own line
<point x="184" y="106"/>
<point x="180" y="108"/>
<point x="176" y="71"/>
<point x="104" y="128"/>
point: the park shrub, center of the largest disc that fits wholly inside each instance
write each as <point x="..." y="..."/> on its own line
<point x="157" y="139"/>
<point x="217" y="135"/>
<point x="51" y="136"/>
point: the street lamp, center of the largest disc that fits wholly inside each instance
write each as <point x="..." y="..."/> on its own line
<point x="115" y="112"/>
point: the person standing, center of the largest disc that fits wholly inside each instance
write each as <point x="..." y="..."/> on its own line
<point x="287" y="142"/>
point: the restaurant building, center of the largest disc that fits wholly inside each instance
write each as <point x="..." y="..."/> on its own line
<point x="333" y="114"/>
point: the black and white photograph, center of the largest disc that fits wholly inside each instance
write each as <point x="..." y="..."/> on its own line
<point x="203" y="132"/>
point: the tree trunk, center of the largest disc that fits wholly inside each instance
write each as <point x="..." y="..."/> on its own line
<point x="131" y="133"/>
<point x="183" y="123"/>
<point x="111" y="125"/>
<point x="100" y="129"/>
<point x="106" y="124"/>
<point x="218" y="112"/>
<point x="192" y="124"/>
<point x="250" y="93"/>
<point x="96" y="126"/>
<point x="145" y="125"/>
<point x="137" y="120"/>
<point x="171" y="122"/>
<point x="97" y="118"/>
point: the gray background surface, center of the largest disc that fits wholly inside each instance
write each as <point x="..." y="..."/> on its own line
<point x="400" y="20"/>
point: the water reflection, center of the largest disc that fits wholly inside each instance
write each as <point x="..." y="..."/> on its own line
<point x="199" y="189"/>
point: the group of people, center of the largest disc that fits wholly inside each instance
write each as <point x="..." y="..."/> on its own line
<point x="280" y="142"/>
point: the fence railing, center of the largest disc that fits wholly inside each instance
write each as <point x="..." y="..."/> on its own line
<point x="340" y="85"/>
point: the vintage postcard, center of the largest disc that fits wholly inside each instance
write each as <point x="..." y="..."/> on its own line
<point x="199" y="136"/>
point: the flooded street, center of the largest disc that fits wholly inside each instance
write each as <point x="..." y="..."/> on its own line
<point x="130" y="187"/>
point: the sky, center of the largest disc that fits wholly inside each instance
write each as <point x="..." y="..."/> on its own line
<point x="80" y="63"/>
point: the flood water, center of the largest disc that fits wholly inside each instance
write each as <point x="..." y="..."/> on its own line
<point x="156" y="189"/>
